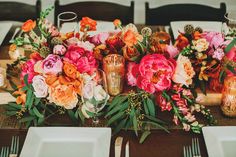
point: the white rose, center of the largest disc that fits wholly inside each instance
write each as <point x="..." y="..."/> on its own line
<point x="2" y="77"/>
<point x="100" y="94"/>
<point x="200" y="45"/>
<point x="184" y="71"/>
<point x="86" y="45"/>
<point x="87" y="90"/>
<point x="40" y="86"/>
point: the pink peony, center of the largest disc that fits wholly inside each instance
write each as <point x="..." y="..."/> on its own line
<point x="157" y="70"/>
<point x="172" y="50"/>
<point x="132" y="73"/>
<point x="145" y="84"/>
<point x="214" y="38"/>
<point x="84" y="60"/>
<point x="52" y="64"/>
<point x="28" y="68"/>
<point x="100" y="38"/>
<point x="59" y="50"/>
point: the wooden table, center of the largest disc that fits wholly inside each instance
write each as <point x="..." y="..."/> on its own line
<point x="158" y="144"/>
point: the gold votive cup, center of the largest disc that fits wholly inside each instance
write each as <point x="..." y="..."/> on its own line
<point x="228" y="105"/>
<point x="114" y="68"/>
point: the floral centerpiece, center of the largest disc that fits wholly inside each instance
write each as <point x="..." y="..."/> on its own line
<point x="62" y="70"/>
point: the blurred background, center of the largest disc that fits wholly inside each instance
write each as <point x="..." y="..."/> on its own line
<point x="139" y="7"/>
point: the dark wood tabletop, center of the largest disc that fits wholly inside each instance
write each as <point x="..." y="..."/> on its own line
<point x="158" y="144"/>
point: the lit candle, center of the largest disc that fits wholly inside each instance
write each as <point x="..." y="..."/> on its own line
<point x="228" y="105"/>
<point x="114" y="68"/>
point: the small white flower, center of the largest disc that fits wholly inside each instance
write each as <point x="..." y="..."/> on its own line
<point x="100" y="94"/>
<point x="86" y="45"/>
<point x="88" y="90"/>
<point x="40" y="86"/>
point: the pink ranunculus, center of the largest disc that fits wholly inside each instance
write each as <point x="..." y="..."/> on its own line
<point x="100" y="38"/>
<point x="83" y="59"/>
<point x="132" y="74"/>
<point x="157" y="70"/>
<point x="172" y="50"/>
<point x="145" y="84"/>
<point x="214" y="38"/>
<point x="52" y="64"/>
<point x="161" y="101"/>
<point x="28" y="68"/>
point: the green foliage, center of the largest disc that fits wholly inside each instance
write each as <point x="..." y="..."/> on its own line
<point x="134" y="110"/>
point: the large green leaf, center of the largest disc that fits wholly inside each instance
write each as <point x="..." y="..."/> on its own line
<point x="145" y="107"/>
<point x="157" y="125"/>
<point x="120" y="125"/>
<point x="37" y="113"/>
<point x="119" y="115"/>
<point x="26" y="80"/>
<point x="231" y="45"/>
<point x="27" y="119"/>
<point x="145" y="134"/>
<point x="13" y="104"/>
<point x="117" y="100"/>
<point x="135" y="124"/>
<point x="155" y="119"/>
<point x="72" y="116"/>
<point x="151" y="107"/>
<point x="119" y="107"/>
<point x="10" y="113"/>
<point x="29" y="96"/>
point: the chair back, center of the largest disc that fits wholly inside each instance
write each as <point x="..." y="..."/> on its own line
<point x="18" y="11"/>
<point x="105" y="11"/>
<point x="183" y="12"/>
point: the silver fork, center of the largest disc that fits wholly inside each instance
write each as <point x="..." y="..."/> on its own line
<point x="4" y="152"/>
<point x="187" y="151"/>
<point x="14" y="146"/>
<point x="196" y="147"/>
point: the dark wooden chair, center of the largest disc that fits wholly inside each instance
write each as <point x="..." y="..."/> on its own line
<point x="18" y="11"/>
<point x="105" y="11"/>
<point x="183" y="12"/>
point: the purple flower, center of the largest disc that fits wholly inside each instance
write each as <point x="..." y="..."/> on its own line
<point x="52" y="64"/>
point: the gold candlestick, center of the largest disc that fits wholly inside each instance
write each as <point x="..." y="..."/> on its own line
<point x="114" y="68"/>
<point x="228" y="105"/>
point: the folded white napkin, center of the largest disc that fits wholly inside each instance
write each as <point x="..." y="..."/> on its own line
<point x="4" y="29"/>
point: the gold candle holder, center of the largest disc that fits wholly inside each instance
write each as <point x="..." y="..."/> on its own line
<point x="114" y="68"/>
<point x="228" y="105"/>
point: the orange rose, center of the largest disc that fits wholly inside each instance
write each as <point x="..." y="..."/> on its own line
<point x="131" y="38"/>
<point x="196" y="35"/>
<point x="75" y="83"/>
<point x="28" y="25"/>
<point x="63" y="95"/>
<point x="50" y="79"/>
<point x="12" y="47"/>
<point x="87" y="24"/>
<point x="71" y="70"/>
<point x="130" y="53"/>
<point x="181" y="42"/>
<point x="117" y="23"/>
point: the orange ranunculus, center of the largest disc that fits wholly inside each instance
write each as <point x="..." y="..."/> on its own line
<point x="71" y="70"/>
<point x="130" y="53"/>
<point x="181" y="42"/>
<point x="131" y="38"/>
<point x="117" y="23"/>
<point x="28" y="25"/>
<point x="77" y="83"/>
<point x="21" y="96"/>
<point x="63" y="95"/>
<point x="196" y="35"/>
<point x="87" y="24"/>
<point x="50" y="79"/>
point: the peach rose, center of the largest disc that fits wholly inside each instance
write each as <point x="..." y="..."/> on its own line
<point x="184" y="71"/>
<point x="28" y="25"/>
<point x="200" y="45"/>
<point x="70" y="70"/>
<point x="131" y="36"/>
<point x="63" y="95"/>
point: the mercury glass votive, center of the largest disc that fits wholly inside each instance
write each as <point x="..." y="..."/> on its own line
<point x="228" y="105"/>
<point x="114" y="68"/>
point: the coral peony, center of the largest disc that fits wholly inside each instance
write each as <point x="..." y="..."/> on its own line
<point x="132" y="74"/>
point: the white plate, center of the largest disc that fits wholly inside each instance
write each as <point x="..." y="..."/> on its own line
<point x="4" y="29"/>
<point x="178" y="26"/>
<point x="67" y="142"/>
<point x="220" y="141"/>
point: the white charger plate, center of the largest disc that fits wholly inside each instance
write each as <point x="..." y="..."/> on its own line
<point x="220" y="141"/>
<point x="67" y="142"/>
<point x="178" y="26"/>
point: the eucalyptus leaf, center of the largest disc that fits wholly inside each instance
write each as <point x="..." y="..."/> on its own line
<point x="120" y="125"/>
<point x="37" y="113"/>
<point x="27" y="119"/>
<point x="135" y="124"/>
<point x="151" y="107"/>
<point x="157" y="125"/>
<point x="145" y="134"/>
<point x="119" y="115"/>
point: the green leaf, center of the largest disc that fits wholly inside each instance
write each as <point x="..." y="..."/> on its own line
<point x="27" y="119"/>
<point x="145" y="107"/>
<point x="26" y="80"/>
<point x="230" y="46"/>
<point x="81" y="116"/>
<point x="157" y="125"/>
<point x="151" y="107"/>
<point x="155" y="120"/>
<point x="13" y="85"/>
<point x="25" y="88"/>
<point x="135" y="123"/>
<point x="36" y="101"/>
<point x="41" y="121"/>
<point x="11" y="113"/>
<point x="72" y="116"/>
<point x="29" y="96"/>
<point x="37" y="113"/>
<point x="231" y="68"/>
<point x="117" y="100"/>
<point x="120" y="126"/>
<point x="13" y="104"/>
<point x="145" y="134"/>
<point x="222" y="76"/>
<point x="119" y="107"/>
<point x="115" y="117"/>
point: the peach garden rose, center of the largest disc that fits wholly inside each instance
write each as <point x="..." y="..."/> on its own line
<point x="63" y="95"/>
